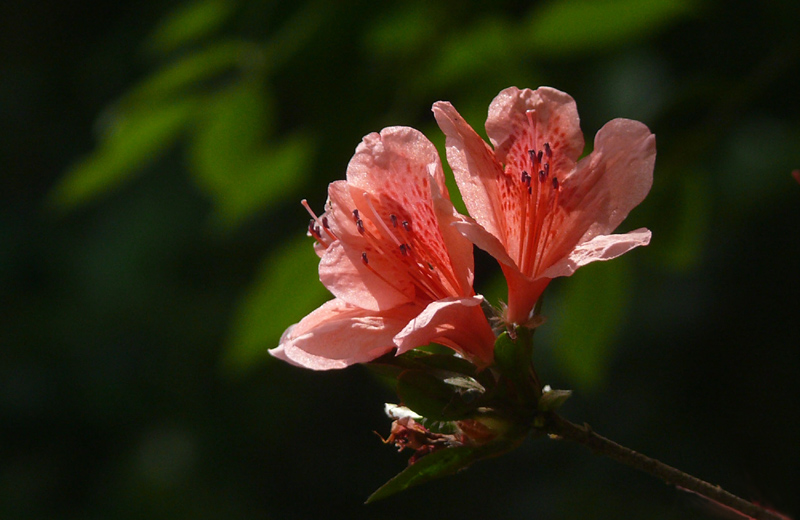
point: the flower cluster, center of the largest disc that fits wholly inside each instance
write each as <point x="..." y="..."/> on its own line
<point x="398" y="257"/>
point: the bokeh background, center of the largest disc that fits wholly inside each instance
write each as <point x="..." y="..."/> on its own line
<point x="152" y="249"/>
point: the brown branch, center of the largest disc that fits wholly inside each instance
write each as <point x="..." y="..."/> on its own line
<point x="584" y="435"/>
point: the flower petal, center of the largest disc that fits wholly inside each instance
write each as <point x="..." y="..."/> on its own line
<point x="344" y="273"/>
<point x="477" y="172"/>
<point x="395" y="180"/>
<point x="601" y="247"/>
<point x="529" y="119"/>
<point x="399" y="163"/>
<point x="614" y="178"/>
<point x="484" y="240"/>
<point x="342" y="270"/>
<point x="337" y="335"/>
<point x="458" y="323"/>
<point x="458" y="247"/>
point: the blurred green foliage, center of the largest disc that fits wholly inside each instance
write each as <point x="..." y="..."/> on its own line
<point x="582" y="26"/>
<point x="263" y="314"/>
<point x="588" y="320"/>
<point x="176" y="247"/>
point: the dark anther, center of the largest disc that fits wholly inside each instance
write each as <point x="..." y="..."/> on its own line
<point x="364" y="258"/>
<point x="393" y="218"/>
<point x="555" y="183"/>
<point x="539" y="156"/>
<point x="325" y="222"/>
<point x="430" y="265"/>
<point x="547" y="150"/>
<point x="313" y="229"/>
<point x="524" y="177"/>
<point x="407" y="226"/>
<point x="532" y="153"/>
<point x="547" y="168"/>
<point x="542" y="176"/>
<point x="360" y="226"/>
<point x="529" y="190"/>
<point x="403" y="249"/>
<point x="355" y="214"/>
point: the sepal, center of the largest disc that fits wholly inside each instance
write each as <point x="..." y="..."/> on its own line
<point x="551" y="400"/>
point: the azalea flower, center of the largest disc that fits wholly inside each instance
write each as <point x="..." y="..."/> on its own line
<point x="400" y="273"/>
<point x="540" y="211"/>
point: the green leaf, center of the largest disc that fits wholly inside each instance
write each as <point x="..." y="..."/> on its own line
<point x="235" y="120"/>
<point x="577" y="26"/>
<point x="446" y="366"/>
<point x="472" y="51"/>
<point x="196" y="68"/>
<point x="188" y="24"/>
<point x="438" y="464"/>
<point x="264" y="179"/>
<point x="442" y="362"/>
<point x="232" y="160"/>
<point x="592" y="312"/>
<point x="286" y="289"/>
<point x="132" y="140"/>
<point x="403" y="31"/>
<point x="433" y="398"/>
<point x="296" y="32"/>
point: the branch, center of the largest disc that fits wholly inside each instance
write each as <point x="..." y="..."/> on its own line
<point x="561" y="427"/>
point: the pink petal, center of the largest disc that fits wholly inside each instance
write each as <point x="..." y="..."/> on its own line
<point x="458" y="323"/>
<point x="476" y="171"/>
<point x="344" y="273"/>
<point x="337" y="335"/>
<point x="614" y="178"/>
<point x="339" y="210"/>
<point x="396" y="177"/>
<point x="529" y="119"/>
<point x="601" y="247"/>
<point x="279" y="353"/>
<point x="342" y="270"/>
<point x="626" y="150"/>
<point x="484" y="240"/>
<point x="399" y="163"/>
<point x="605" y="187"/>
<point x="459" y="248"/>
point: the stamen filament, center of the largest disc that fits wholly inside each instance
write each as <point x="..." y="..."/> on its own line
<point x="322" y="223"/>
<point x="380" y="220"/>
<point x="551" y="216"/>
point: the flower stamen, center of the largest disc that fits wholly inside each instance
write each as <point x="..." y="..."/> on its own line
<point x="536" y="208"/>
<point x="314" y="231"/>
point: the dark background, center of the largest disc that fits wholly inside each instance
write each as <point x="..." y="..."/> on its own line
<point x="152" y="250"/>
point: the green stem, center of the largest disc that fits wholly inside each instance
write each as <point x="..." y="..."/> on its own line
<point x="563" y="428"/>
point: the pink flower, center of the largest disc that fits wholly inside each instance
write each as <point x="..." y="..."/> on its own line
<point x="540" y="211"/>
<point x="401" y="274"/>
